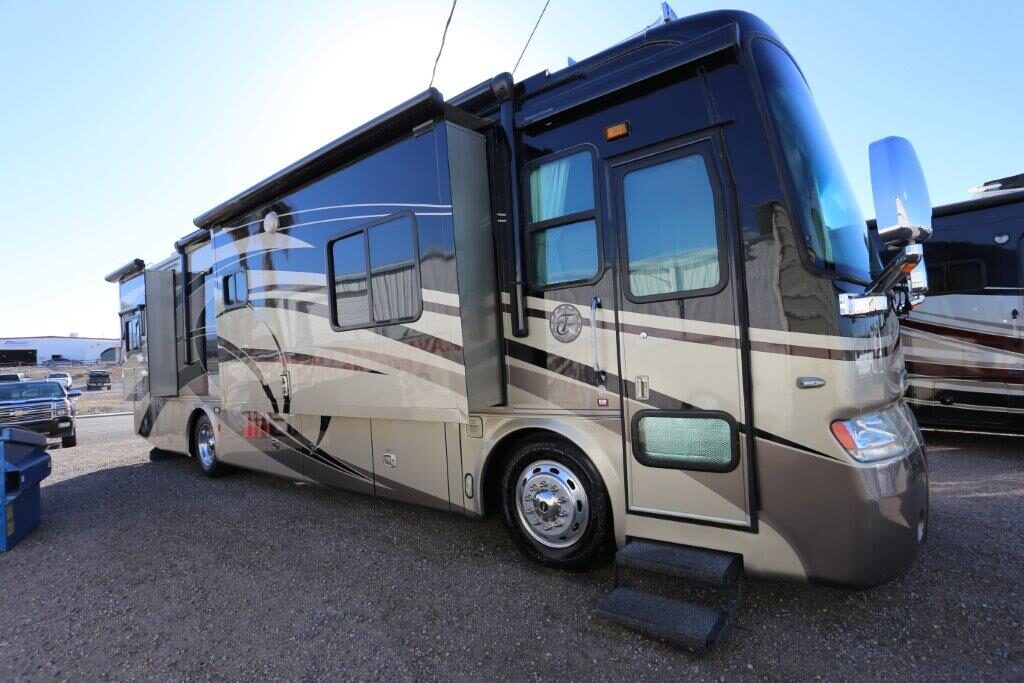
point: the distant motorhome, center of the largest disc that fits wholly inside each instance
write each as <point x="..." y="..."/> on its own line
<point x="616" y="305"/>
<point x="964" y="345"/>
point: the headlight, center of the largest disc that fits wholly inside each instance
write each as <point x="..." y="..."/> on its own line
<point x="879" y="435"/>
<point x="61" y="408"/>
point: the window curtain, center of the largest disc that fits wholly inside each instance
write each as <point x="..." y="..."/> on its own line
<point x="549" y="186"/>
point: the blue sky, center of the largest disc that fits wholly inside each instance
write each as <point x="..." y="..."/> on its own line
<point x="121" y="121"/>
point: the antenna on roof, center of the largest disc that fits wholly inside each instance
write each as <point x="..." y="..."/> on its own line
<point x="667" y="13"/>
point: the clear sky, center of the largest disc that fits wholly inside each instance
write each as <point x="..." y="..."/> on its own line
<point x="121" y="121"/>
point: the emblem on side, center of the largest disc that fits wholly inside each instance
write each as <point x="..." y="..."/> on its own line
<point x="565" y="323"/>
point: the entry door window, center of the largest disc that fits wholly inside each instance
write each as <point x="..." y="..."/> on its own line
<point x="672" y="229"/>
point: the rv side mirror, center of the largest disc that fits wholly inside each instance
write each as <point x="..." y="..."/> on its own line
<point x="903" y="210"/>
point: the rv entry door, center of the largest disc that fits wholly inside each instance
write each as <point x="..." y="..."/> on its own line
<point x="679" y="331"/>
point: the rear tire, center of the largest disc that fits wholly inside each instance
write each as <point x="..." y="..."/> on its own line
<point x="204" y="448"/>
<point x="69" y="441"/>
<point x="555" y="505"/>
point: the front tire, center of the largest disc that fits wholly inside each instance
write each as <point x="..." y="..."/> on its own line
<point x="555" y="505"/>
<point x="69" y="441"/>
<point x="204" y="448"/>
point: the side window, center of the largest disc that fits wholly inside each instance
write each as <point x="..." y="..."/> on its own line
<point x="196" y="349"/>
<point x="672" y="236"/>
<point x="374" y="275"/>
<point x="235" y="288"/>
<point x="965" y="276"/>
<point x="936" y="278"/>
<point x="133" y="333"/>
<point x="956" y="276"/>
<point x="705" y="441"/>
<point x="562" y="222"/>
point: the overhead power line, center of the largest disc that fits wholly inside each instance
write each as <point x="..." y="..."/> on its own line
<point x="441" y="49"/>
<point x="542" y="11"/>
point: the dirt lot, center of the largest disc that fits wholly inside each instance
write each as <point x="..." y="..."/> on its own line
<point x="145" y="569"/>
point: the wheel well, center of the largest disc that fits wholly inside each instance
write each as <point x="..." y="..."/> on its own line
<point x="490" y="487"/>
<point x="191" y="430"/>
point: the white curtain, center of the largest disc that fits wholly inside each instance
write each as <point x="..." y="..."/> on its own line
<point x="548" y="187"/>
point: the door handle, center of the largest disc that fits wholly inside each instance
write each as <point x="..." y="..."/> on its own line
<point x="594" y="303"/>
<point x="643" y="387"/>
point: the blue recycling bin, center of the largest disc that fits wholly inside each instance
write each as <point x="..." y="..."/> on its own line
<point x="25" y="463"/>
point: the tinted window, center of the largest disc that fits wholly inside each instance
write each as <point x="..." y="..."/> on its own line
<point x="964" y="276"/>
<point x="393" y="291"/>
<point x="197" y="317"/>
<point x="565" y="253"/>
<point x="936" y="279"/>
<point x="835" y="235"/>
<point x="394" y="286"/>
<point x="236" y="288"/>
<point x="564" y="247"/>
<point x="671" y="228"/>
<point x="686" y="443"/>
<point x="562" y="187"/>
<point x="29" y="390"/>
<point x="133" y="333"/>
<point x="352" y="300"/>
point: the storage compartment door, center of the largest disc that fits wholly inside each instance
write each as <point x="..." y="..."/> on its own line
<point x="160" y="335"/>
<point x="410" y="462"/>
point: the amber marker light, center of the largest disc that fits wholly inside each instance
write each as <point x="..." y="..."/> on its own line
<point x="619" y="130"/>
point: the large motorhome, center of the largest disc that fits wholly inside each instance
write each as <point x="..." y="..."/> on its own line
<point x="964" y="345"/>
<point x="630" y="304"/>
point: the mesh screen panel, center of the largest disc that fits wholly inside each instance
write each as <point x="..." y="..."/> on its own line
<point x="702" y="443"/>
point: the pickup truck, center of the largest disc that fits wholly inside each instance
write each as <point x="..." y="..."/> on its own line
<point x="41" y="406"/>
<point x="12" y="377"/>
<point x="62" y="377"/>
<point x="98" y="379"/>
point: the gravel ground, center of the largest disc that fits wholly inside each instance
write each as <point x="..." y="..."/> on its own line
<point x="147" y="570"/>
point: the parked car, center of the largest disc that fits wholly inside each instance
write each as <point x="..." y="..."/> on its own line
<point x="12" y="377"/>
<point x="98" y="379"/>
<point x="62" y="377"/>
<point x="40" y="406"/>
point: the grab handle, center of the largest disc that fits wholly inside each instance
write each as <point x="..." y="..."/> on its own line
<point x="594" y="303"/>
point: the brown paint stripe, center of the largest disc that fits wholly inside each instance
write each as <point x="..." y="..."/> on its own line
<point x="443" y="309"/>
<point x="964" y="372"/>
<point x="730" y="342"/>
<point x="994" y="341"/>
<point x="271" y="355"/>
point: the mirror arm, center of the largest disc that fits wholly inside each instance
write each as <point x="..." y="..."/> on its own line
<point x="898" y="268"/>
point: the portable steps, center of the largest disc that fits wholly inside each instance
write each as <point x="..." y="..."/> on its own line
<point x="689" y="625"/>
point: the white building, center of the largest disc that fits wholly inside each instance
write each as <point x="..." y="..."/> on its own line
<point x="36" y="350"/>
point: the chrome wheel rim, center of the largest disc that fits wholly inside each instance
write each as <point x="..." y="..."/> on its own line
<point x="552" y="504"/>
<point x="206" y="446"/>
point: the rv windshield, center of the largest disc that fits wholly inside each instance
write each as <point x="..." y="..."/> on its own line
<point x="834" y="232"/>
